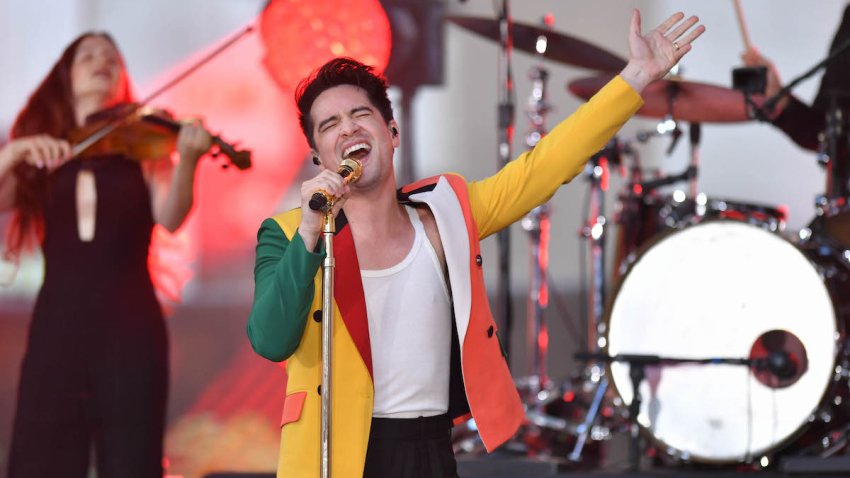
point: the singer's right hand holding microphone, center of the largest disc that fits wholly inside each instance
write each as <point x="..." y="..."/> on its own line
<point x="311" y="221"/>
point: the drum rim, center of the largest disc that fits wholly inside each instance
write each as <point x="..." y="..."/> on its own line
<point x="664" y="447"/>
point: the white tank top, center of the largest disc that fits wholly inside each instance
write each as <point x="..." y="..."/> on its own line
<point x="409" y="315"/>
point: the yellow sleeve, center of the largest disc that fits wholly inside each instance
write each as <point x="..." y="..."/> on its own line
<point x="533" y="177"/>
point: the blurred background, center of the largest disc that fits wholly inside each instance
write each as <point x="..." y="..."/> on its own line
<point x="225" y="402"/>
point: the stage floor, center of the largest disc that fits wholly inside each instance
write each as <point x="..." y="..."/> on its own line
<point x="500" y="466"/>
<point x="497" y="466"/>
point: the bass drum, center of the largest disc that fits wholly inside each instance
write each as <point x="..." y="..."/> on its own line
<point x="642" y="217"/>
<point x="725" y="289"/>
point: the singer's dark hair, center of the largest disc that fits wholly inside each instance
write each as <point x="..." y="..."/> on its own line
<point x="341" y="71"/>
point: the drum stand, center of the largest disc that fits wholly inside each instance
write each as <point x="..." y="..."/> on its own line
<point x="594" y="231"/>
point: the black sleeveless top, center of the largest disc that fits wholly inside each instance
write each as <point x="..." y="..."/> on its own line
<point x="98" y="293"/>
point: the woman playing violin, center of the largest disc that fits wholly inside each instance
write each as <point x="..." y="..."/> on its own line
<point x="95" y="373"/>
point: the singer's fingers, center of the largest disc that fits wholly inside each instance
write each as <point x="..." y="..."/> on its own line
<point x="332" y="182"/>
<point x="685" y="42"/>
<point x="682" y="28"/>
<point x="316" y="193"/>
<point x="668" y="24"/>
<point x="346" y="191"/>
<point x="338" y="204"/>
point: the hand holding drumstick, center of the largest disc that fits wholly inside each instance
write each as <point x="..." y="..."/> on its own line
<point x="753" y="58"/>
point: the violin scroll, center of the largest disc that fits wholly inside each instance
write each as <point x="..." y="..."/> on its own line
<point x="239" y="158"/>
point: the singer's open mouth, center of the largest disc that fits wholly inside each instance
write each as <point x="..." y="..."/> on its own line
<point x="356" y="151"/>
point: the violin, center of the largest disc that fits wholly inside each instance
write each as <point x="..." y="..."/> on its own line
<point x="140" y="133"/>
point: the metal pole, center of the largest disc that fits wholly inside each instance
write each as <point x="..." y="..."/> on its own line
<point x="595" y="232"/>
<point x="504" y="307"/>
<point x="536" y="223"/>
<point x="350" y="170"/>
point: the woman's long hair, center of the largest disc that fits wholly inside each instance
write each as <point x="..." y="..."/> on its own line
<point x="50" y="111"/>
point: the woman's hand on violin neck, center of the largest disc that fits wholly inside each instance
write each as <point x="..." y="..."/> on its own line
<point x="42" y="151"/>
<point x="193" y="141"/>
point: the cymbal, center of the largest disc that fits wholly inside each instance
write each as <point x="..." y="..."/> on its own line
<point x="693" y="102"/>
<point x="560" y="47"/>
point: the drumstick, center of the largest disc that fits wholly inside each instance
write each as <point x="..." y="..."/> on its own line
<point x="745" y="34"/>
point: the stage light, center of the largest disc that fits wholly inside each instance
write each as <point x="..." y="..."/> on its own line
<point x="301" y="35"/>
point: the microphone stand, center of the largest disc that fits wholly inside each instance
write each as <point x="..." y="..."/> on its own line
<point x="328" y="230"/>
<point x="504" y="303"/>
<point x="637" y="373"/>
<point x="349" y="170"/>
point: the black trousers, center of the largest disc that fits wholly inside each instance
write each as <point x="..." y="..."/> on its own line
<point x="78" y="393"/>
<point x="411" y="448"/>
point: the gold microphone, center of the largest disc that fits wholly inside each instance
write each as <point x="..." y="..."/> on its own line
<point x="349" y="169"/>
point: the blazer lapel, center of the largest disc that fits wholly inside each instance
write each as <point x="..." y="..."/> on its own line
<point x="348" y="290"/>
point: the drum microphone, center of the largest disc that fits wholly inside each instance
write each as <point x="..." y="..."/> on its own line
<point x="779" y="362"/>
<point x="349" y="169"/>
<point x="685" y="175"/>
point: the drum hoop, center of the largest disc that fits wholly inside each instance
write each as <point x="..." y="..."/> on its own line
<point x="645" y="432"/>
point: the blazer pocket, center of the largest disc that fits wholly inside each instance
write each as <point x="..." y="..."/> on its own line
<point x="292" y="406"/>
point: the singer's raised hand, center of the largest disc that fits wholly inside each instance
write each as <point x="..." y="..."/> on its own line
<point x="311" y="221"/>
<point x="651" y="55"/>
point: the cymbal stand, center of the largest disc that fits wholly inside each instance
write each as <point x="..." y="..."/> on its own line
<point x="836" y="138"/>
<point x="536" y="223"/>
<point x="834" y="155"/>
<point x="541" y="391"/>
<point x="504" y="304"/>
<point x="694" y="134"/>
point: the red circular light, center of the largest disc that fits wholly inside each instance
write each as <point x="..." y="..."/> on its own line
<point x="302" y="35"/>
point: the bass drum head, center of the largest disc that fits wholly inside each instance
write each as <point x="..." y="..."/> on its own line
<point x="715" y="290"/>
